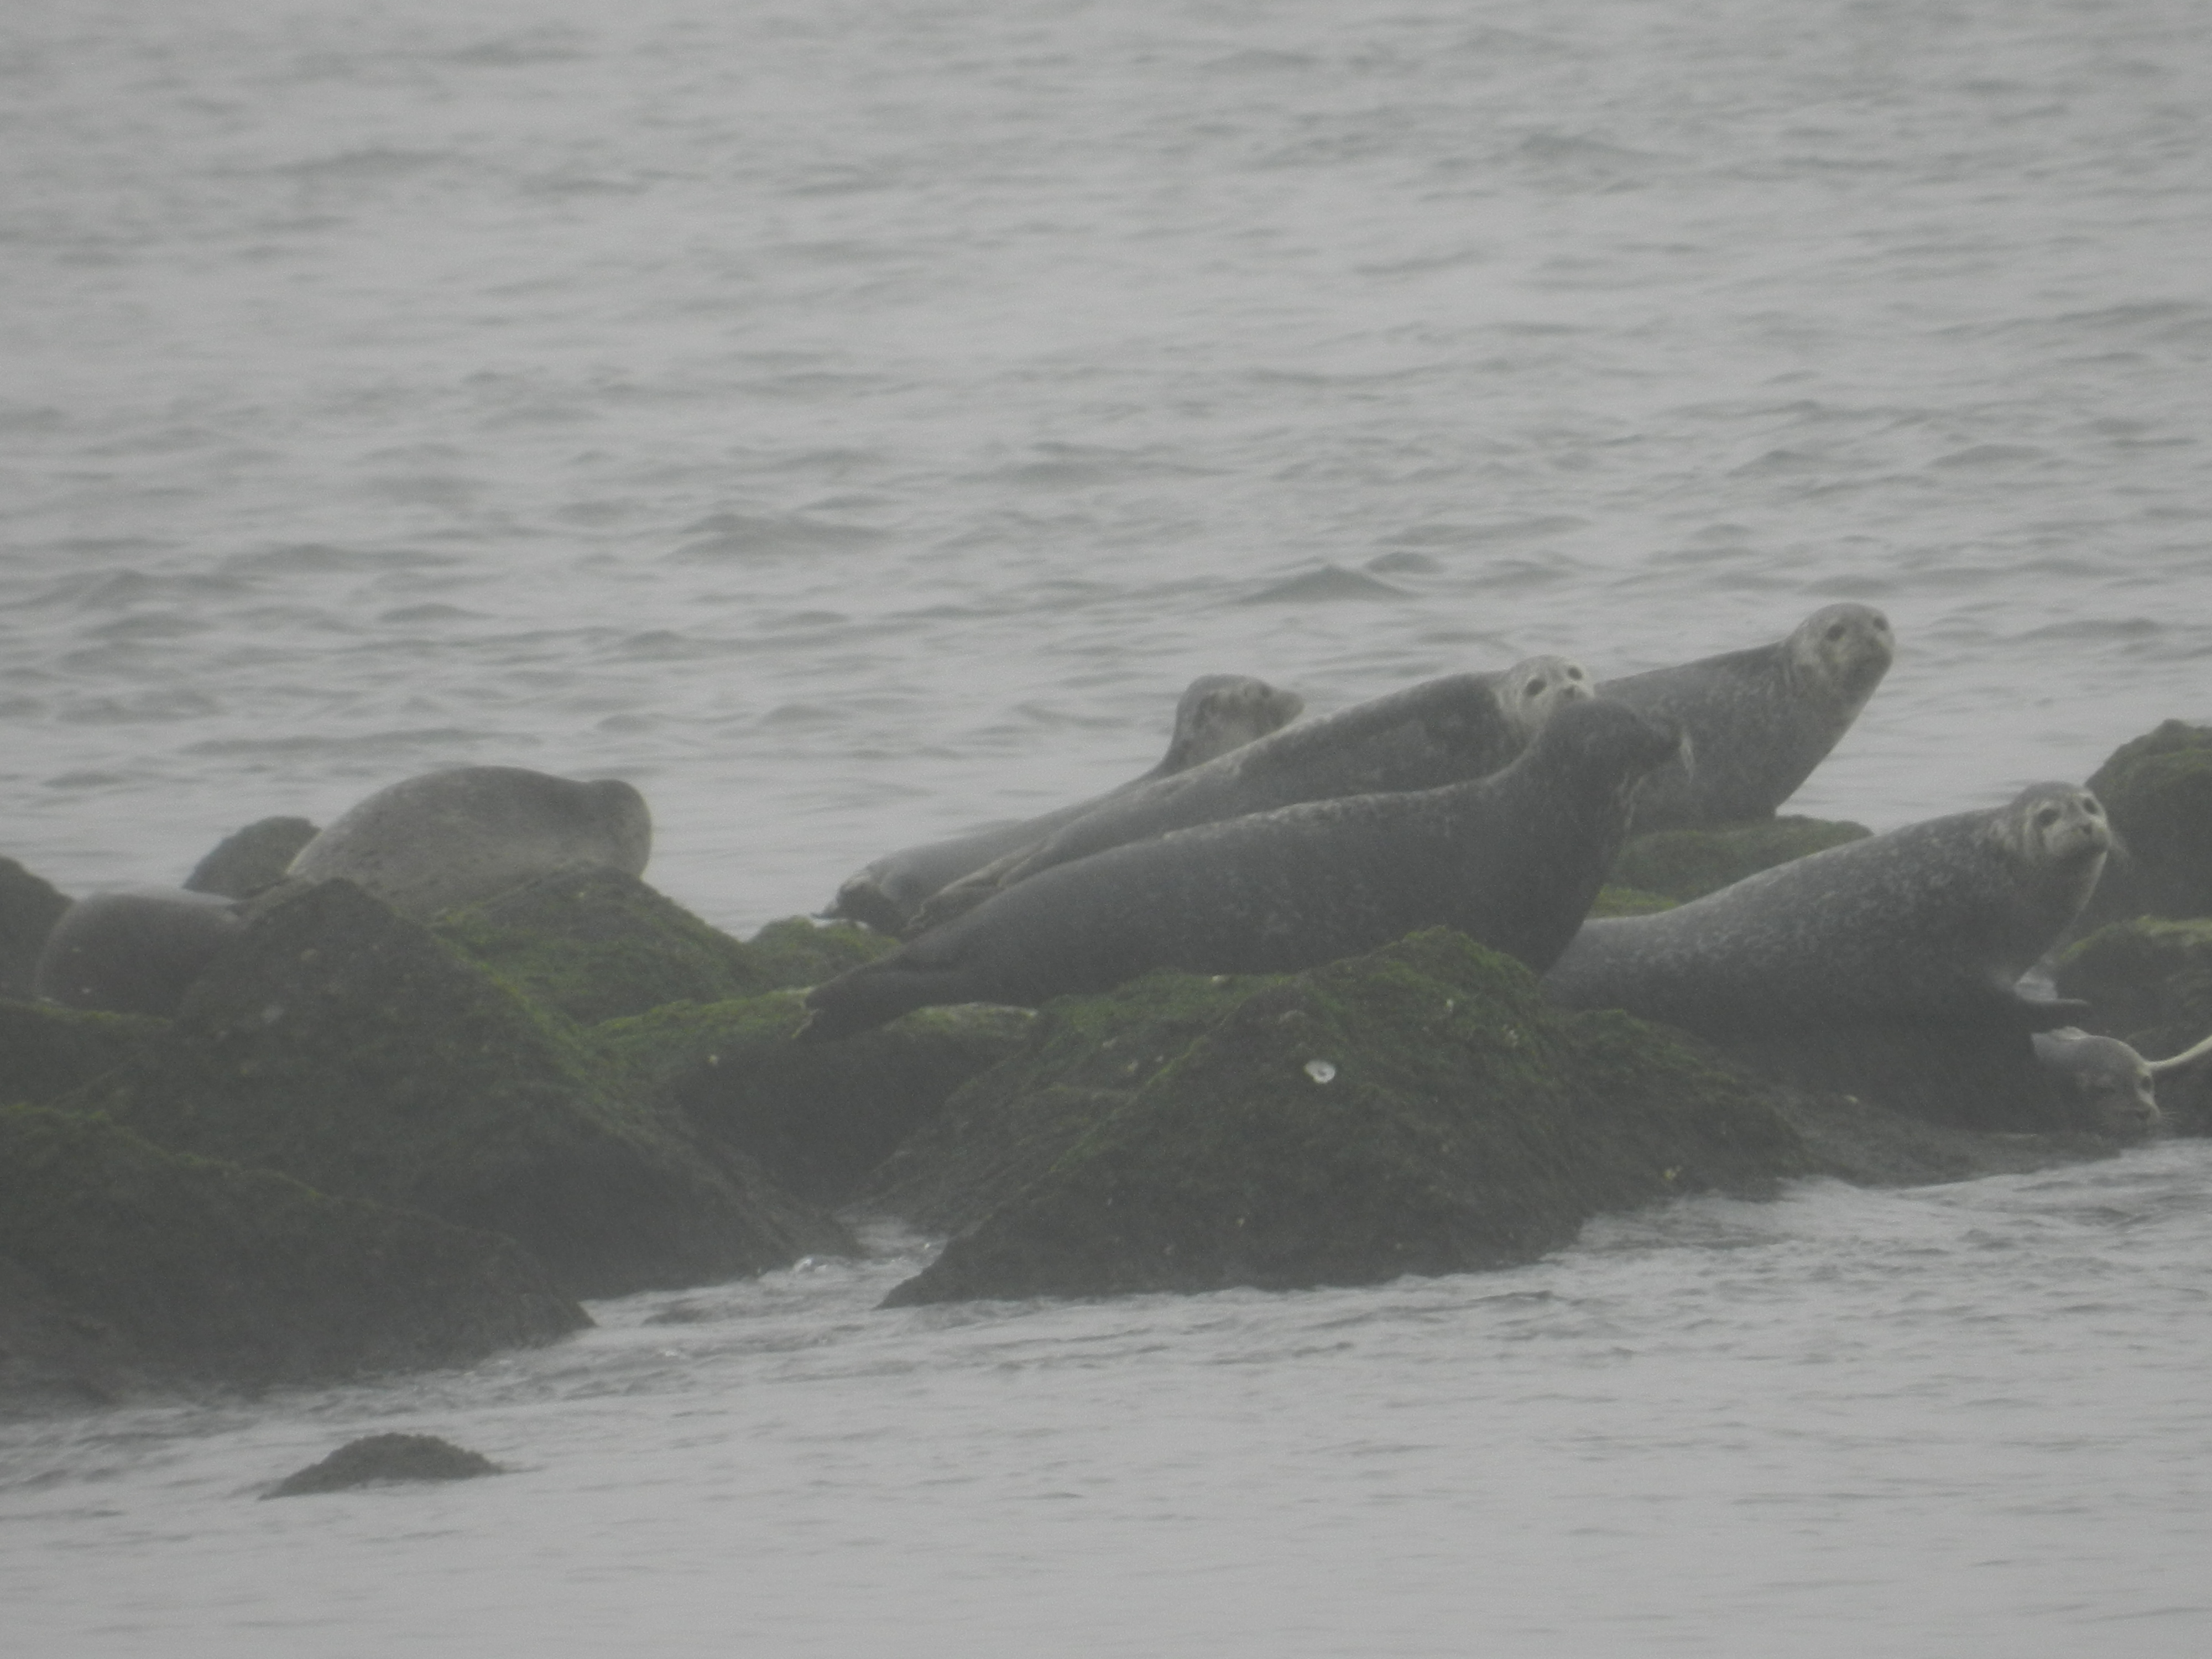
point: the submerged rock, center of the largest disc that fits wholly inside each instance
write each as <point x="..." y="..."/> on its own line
<point x="1418" y="1110"/>
<point x="192" y="1265"/>
<point x="1687" y="864"/>
<point x="346" y="1046"/>
<point x="2157" y="791"/>
<point x="29" y="907"/>
<point x="253" y="858"/>
<point x="382" y="1459"/>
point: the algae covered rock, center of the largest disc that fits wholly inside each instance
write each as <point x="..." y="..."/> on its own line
<point x="1418" y="1110"/>
<point x="817" y="1118"/>
<point x="2157" y="791"/>
<point x="45" y="1052"/>
<point x="29" y="907"/>
<point x="342" y="1045"/>
<point x="252" y="859"/>
<point x="799" y="951"/>
<point x="1686" y="863"/>
<point x="242" y="1275"/>
<point x="377" y="1459"/>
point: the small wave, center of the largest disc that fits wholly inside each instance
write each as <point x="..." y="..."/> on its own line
<point x="744" y="536"/>
<point x="322" y="559"/>
<point x="363" y="743"/>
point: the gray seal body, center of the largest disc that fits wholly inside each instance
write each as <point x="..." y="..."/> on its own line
<point x="447" y="838"/>
<point x="1441" y="732"/>
<point x="1759" y="720"/>
<point x="1216" y="714"/>
<point x="1513" y="859"/>
<point x="135" y="950"/>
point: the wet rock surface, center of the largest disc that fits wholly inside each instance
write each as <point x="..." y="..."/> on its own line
<point x="2158" y="791"/>
<point x="386" y="1460"/>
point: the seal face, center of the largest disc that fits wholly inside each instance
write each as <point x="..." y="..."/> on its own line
<point x="1217" y="713"/>
<point x="1921" y="935"/>
<point x="1759" y="720"/>
<point x="1437" y="733"/>
<point x="2108" y="1082"/>
<point x="442" y="839"/>
<point x="1512" y="860"/>
<point x="135" y="950"/>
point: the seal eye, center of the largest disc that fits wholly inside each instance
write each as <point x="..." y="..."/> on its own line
<point x="1574" y="673"/>
<point x="1532" y="687"/>
<point x="2046" y="817"/>
<point x="1835" y="630"/>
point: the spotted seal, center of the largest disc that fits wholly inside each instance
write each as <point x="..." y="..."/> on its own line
<point x="430" y="843"/>
<point x="2112" y="1085"/>
<point x="1218" y="713"/>
<point x="1513" y="859"/>
<point x="1440" y="731"/>
<point x="134" y="951"/>
<point x="1759" y="720"/>
<point x="1910" y="944"/>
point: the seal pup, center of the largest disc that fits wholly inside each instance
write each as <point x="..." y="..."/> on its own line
<point x="1891" y="964"/>
<point x="1217" y="713"/>
<point x="430" y="843"/>
<point x="2113" y="1085"/>
<point x="1512" y="860"/>
<point x="134" y="951"/>
<point x="1759" y="720"/>
<point x="1440" y="731"/>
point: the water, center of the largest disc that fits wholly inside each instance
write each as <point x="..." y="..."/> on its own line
<point x="852" y="420"/>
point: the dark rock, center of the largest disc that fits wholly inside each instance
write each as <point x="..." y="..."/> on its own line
<point x="797" y="952"/>
<point x="818" y="1119"/>
<point x="2148" y="982"/>
<point x="205" y="1269"/>
<point x="345" y="1046"/>
<point x="1420" y="1109"/>
<point x="253" y="858"/>
<point x="2157" y="791"/>
<point x="29" y="907"/>
<point x="1686" y="863"/>
<point x="45" y="1052"/>
<point x="379" y="1459"/>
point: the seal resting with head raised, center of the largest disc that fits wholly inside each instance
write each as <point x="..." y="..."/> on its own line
<point x="1217" y="713"/>
<point x="1441" y="732"/>
<point x="1512" y="860"/>
<point x="1759" y="720"/>
<point x="1850" y="966"/>
<point x="430" y="843"/>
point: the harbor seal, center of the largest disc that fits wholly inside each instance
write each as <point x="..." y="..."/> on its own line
<point x="1512" y="860"/>
<point x="1217" y="713"/>
<point x="1872" y="964"/>
<point x="1440" y="731"/>
<point x="2113" y="1086"/>
<point x="134" y="951"/>
<point x="447" y="838"/>
<point x="1759" y="720"/>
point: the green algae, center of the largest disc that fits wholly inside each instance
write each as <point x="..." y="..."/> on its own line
<point x="46" y="1051"/>
<point x="1687" y="864"/>
<point x="245" y="1276"/>
<point x="1420" y="1109"/>
<point x="1629" y="902"/>
<point x="798" y="951"/>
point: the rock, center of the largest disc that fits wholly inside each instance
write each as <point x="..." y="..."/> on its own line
<point x="344" y="1046"/>
<point x="202" y="1268"/>
<point x="380" y="1459"/>
<point x="1418" y="1110"/>
<point x="45" y="1052"/>
<point x="254" y="857"/>
<point x="2157" y="792"/>
<point x="1629" y="902"/>
<point x="1686" y="863"/>
<point x="29" y="907"/>
<point x="798" y="951"/>
<point x="2148" y="982"/>
<point x="817" y="1118"/>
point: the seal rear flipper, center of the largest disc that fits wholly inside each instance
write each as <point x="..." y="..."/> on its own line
<point x="874" y="994"/>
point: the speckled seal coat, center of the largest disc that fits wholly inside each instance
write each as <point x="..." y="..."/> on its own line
<point x="1757" y="721"/>
<point x="1441" y="732"/>
<point x="1936" y="921"/>
<point x="1217" y="713"/>
<point x="1513" y="859"/>
<point x="447" y="838"/>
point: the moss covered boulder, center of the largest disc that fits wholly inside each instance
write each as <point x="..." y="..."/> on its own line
<point x="46" y="1051"/>
<point x="798" y="950"/>
<point x="2149" y="983"/>
<point x="1418" y="1110"/>
<point x="196" y="1267"/>
<point x="29" y="907"/>
<point x="342" y="1045"/>
<point x="2158" y="792"/>
<point x="818" y="1118"/>
<point x="1686" y="863"/>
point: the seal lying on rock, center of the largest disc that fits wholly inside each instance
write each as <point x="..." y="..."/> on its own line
<point x="1440" y="731"/>
<point x="447" y="838"/>
<point x="1757" y="721"/>
<point x="133" y="951"/>
<point x="2113" y="1085"/>
<point x="1512" y="860"/>
<point x="1218" y="713"/>
<point x="1890" y="965"/>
